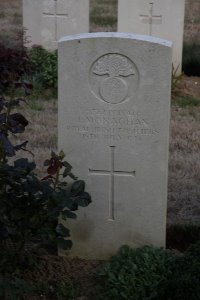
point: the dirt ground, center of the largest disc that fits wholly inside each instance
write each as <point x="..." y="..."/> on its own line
<point x="189" y="86"/>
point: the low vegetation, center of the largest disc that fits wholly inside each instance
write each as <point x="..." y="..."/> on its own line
<point x="33" y="210"/>
<point x="151" y="273"/>
<point x="44" y="72"/>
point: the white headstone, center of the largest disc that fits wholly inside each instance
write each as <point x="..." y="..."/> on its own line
<point x="47" y="21"/>
<point x="113" y="125"/>
<point x="160" y="18"/>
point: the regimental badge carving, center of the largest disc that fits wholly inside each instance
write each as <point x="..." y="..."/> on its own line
<point x="113" y="78"/>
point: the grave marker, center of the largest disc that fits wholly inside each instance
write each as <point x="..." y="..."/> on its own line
<point x="159" y="18"/>
<point x="113" y="125"/>
<point x="151" y="18"/>
<point x="47" y="21"/>
<point x="55" y="17"/>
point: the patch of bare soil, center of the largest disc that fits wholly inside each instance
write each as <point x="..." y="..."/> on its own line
<point x="189" y="86"/>
<point x="184" y="166"/>
<point x="53" y="270"/>
<point x="184" y="156"/>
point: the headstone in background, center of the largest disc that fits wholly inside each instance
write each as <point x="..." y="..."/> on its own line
<point x="47" y="21"/>
<point x="113" y="125"/>
<point x="159" y="18"/>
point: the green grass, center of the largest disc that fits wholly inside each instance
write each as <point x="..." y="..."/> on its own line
<point x="103" y="21"/>
<point x="186" y="101"/>
<point x="196" y="20"/>
<point x="35" y="105"/>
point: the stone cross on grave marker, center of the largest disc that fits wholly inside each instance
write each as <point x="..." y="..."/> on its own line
<point x="47" y="21"/>
<point x="112" y="172"/>
<point x="55" y="15"/>
<point x="150" y="18"/>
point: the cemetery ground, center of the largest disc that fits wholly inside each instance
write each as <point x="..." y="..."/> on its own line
<point x="75" y="279"/>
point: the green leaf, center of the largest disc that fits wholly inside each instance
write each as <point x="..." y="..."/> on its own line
<point x="67" y="171"/>
<point x="61" y="154"/>
<point x="66" y="164"/>
<point x="64" y="244"/>
<point x="72" y="176"/>
<point x="54" y="155"/>
<point x="68" y="214"/>
<point x="84" y="199"/>
<point x="24" y="164"/>
<point x="62" y="230"/>
<point x="78" y="187"/>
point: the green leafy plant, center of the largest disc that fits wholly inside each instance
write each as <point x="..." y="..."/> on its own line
<point x="12" y="288"/>
<point x="44" y="68"/>
<point x="175" y="79"/>
<point x="14" y="64"/>
<point x="23" y="65"/>
<point x="138" y="274"/>
<point x="65" y="290"/>
<point x="185" y="283"/>
<point x="15" y="288"/>
<point x="30" y="207"/>
<point x="187" y="101"/>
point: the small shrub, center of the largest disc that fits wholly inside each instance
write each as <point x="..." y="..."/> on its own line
<point x="185" y="283"/>
<point x="14" y="288"/>
<point x="65" y="290"/>
<point x="191" y="59"/>
<point x="14" y="64"/>
<point x="139" y="274"/>
<point x="30" y="207"/>
<point x="21" y="65"/>
<point x="44" y="67"/>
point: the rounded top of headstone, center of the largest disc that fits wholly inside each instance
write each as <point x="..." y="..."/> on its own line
<point x="122" y="35"/>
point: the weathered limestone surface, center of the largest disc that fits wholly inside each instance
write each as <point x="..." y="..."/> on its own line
<point x="47" y="21"/>
<point x="113" y="125"/>
<point x="160" y="18"/>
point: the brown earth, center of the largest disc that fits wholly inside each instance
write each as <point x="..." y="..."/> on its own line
<point x="189" y="85"/>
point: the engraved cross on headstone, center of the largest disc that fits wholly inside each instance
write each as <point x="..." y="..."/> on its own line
<point x="56" y="16"/>
<point x="111" y="173"/>
<point x="150" y="18"/>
